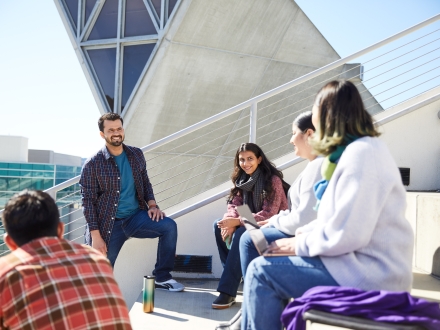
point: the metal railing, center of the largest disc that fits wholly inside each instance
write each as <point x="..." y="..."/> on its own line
<point x="297" y="160"/>
<point x="200" y="156"/>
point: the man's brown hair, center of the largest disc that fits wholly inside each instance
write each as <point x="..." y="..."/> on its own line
<point x="108" y="116"/>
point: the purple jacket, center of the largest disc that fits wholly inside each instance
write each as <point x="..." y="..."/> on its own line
<point x="382" y="306"/>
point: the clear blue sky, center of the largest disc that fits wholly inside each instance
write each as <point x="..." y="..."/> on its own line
<point x="45" y="96"/>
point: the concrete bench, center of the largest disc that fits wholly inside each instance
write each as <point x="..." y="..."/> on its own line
<point x="351" y="322"/>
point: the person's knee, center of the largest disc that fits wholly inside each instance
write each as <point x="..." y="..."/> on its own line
<point x="240" y="230"/>
<point x="170" y="225"/>
<point x="237" y="235"/>
<point x="245" y="241"/>
<point x="215" y="226"/>
<point x="255" y="267"/>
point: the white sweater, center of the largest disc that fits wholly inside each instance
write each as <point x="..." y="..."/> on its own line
<point x="301" y="200"/>
<point x="361" y="233"/>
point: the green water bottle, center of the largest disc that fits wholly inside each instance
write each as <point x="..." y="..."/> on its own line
<point x="148" y="293"/>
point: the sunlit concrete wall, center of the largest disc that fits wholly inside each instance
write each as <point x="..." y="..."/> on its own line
<point x="423" y="212"/>
<point x="413" y="140"/>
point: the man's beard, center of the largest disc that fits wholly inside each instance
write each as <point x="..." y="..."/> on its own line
<point x="115" y="143"/>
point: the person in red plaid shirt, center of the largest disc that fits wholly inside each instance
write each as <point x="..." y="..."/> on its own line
<point x="47" y="282"/>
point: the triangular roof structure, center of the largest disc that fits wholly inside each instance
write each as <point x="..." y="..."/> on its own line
<point x="185" y="60"/>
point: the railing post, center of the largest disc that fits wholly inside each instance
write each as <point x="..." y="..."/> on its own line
<point x="53" y="194"/>
<point x="253" y="123"/>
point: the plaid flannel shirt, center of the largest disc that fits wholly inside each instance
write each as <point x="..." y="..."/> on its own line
<point x="100" y="186"/>
<point x="51" y="283"/>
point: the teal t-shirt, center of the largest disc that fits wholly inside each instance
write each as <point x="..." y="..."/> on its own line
<point x="128" y="202"/>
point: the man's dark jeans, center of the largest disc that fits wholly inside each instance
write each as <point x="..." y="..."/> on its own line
<point x="140" y="225"/>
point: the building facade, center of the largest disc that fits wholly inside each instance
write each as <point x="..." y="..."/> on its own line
<point x="15" y="177"/>
<point x="22" y="168"/>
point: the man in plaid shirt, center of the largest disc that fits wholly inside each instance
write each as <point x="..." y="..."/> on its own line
<point x="118" y="202"/>
<point x="47" y="282"/>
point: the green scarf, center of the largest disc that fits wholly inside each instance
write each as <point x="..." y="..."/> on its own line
<point x="328" y="167"/>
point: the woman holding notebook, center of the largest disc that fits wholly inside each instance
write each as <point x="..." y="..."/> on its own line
<point x="360" y="237"/>
<point x="258" y="184"/>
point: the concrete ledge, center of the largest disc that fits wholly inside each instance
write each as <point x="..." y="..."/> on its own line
<point x="423" y="212"/>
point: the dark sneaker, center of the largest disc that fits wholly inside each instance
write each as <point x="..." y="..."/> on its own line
<point x="233" y="324"/>
<point x="170" y="285"/>
<point x="223" y="301"/>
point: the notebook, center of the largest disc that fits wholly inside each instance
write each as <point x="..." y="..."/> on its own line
<point x="256" y="234"/>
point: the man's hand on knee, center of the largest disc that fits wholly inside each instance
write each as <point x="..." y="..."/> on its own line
<point x="155" y="214"/>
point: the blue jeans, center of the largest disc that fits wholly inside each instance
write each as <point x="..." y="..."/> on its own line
<point x="230" y="259"/>
<point x="140" y="225"/>
<point x="248" y="251"/>
<point x="271" y="281"/>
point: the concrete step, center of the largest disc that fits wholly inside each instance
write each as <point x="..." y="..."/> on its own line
<point x="191" y="310"/>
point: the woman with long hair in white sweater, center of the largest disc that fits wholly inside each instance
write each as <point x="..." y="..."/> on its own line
<point x="360" y="238"/>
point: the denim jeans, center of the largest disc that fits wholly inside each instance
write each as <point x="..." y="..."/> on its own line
<point x="248" y="251"/>
<point x="271" y="281"/>
<point x="140" y="225"/>
<point x="231" y="276"/>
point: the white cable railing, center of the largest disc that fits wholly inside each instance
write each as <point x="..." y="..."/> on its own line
<point x="274" y="117"/>
<point x="200" y="156"/>
<point x="297" y="160"/>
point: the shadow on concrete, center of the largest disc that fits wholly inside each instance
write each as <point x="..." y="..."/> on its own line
<point x="436" y="263"/>
<point x="174" y="318"/>
<point x="190" y="309"/>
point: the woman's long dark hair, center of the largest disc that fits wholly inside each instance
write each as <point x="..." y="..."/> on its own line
<point x="304" y="122"/>
<point x="268" y="170"/>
